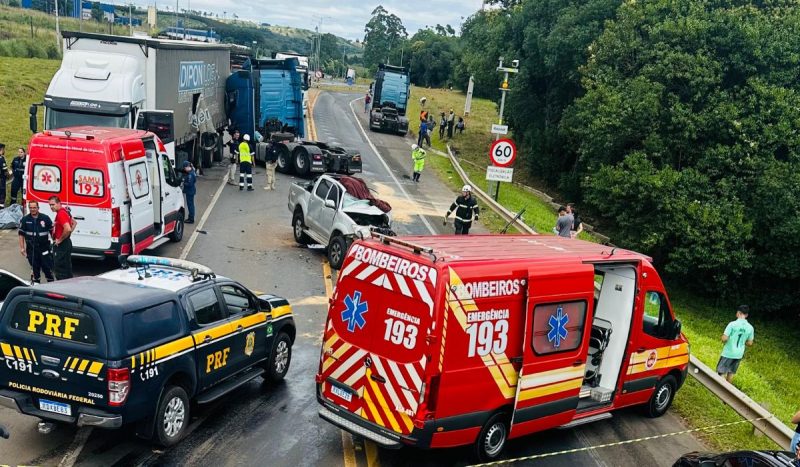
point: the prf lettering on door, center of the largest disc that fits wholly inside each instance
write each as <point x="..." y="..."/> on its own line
<point x="217" y="360"/>
<point x="53" y="325"/>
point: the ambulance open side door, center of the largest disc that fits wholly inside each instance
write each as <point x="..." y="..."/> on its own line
<point x="140" y="197"/>
<point x="557" y="330"/>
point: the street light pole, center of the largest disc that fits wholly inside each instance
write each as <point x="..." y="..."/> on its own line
<point x="503" y="90"/>
<point x="130" y="18"/>
<point x="58" y="30"/>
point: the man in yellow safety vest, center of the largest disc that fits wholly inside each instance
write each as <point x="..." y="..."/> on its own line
<point x="245" y="164"/>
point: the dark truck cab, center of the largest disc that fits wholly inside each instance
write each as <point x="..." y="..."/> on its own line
<point x="137" y="345"/>
<point x="390" y="100"/>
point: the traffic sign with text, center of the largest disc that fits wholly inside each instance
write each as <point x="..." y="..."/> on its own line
<point x="499" y="129"/>
<point x="499" y="174"/>
<point x="503" y="152"/>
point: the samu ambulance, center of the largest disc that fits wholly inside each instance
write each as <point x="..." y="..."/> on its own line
<point x="118" y="183"/>
<point x="448" y="341"/>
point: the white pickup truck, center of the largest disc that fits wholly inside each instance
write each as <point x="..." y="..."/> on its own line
<point x="331" y="209"/>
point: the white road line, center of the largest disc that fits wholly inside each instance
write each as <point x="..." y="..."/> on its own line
<point x="385" y="165"/>
<point x="203" y="219"/>
<point x="76" y="447"/>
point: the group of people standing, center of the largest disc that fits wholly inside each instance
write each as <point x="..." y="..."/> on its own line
<point x="568" y="223"/>
<point x="53" y="258"/>
<point x="448" y="124"/>
<point x="15" y="171"/>
<point x="240" y="154"/>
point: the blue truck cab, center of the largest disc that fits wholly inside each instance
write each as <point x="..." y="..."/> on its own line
<point x="138" y="345"/>
<point x="390" y="100"/>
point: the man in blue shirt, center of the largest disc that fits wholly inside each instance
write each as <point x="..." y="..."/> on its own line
<point x="189" y="189"/>
<point x="737" y="335"/>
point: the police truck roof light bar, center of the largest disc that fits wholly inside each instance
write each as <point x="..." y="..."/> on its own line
<point x="385" y="239"/>
<point x="196" y="270"/>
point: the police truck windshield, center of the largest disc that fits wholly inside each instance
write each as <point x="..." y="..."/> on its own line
<point x="63" y="119"/>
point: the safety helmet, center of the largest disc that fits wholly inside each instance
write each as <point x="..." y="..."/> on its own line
<point x="467" y="188"/>
<point x="414" y="147"/>
<point x="247" y="137"/>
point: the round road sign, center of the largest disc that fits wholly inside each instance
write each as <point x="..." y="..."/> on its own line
<point x="503" y="152"/>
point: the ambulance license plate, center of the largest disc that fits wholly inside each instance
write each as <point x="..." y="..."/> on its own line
<point x="342" y="393"/>
<point x="55" y="407"/>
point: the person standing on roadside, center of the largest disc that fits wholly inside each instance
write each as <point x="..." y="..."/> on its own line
<point x="577" y="224"/>
<point x="189" y="189"/>
<point x="442" y="125"/>
<point x="34" y="242"/>
<point x="795" y="446"/>
<point x="245" y="164"/>
<point x="367" y="102"/>
<point x="466" y="209"/>
<point x="272" y="164"/>
<point x="4" y="172"/>
<point x="423" y="134"/>
<point x="418" y="157"/>
<point x="451" y="123"/>
<point x="17" y="171"/>
<point x="737" y="335"/>
<point x="233" y="156"/>
<point x="563" y="223"/>
<point x="62" y="247"/>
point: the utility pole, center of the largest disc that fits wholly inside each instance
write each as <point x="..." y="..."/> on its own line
<point x="503" y="90"/>
<point x="58" y="30"/>
<point x="130" y="18"/>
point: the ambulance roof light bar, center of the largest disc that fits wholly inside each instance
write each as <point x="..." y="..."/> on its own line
<point x="69" y="134"/>
<point x="385" y="239"/>
<point x="197" y="271"/>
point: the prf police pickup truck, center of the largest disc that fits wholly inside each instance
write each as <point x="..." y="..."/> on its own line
<point x="137" y="344"/>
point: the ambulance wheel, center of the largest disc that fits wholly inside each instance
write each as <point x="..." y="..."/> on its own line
<point x="662" y="397"/>
<point x="298" y="224"/>
<point x="279" y="359"/>
<point x="177" y="234"/>
<point x="337" y="248"/>
<point x="172" y="418"/>
<point x="492" y="438"/>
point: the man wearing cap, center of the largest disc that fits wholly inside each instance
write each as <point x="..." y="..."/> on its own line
<point x="466" y="209"/>
<point x="189" y="189"/>
<point x="245" y="164"/>
<point x="737" y="335"/>
<point x="418" y="156"/>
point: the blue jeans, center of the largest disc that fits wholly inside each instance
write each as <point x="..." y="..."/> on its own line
<point x="190" y="205"/>
<point x="795" y="441"/>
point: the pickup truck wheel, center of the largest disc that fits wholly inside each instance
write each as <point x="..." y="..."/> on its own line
<point x="297" y="228"/>
<point x="280" y="358"/>
<point x="177" y="234"/>
<point x="302" y="165"/>
<point x="662" y="397"/>
<point x="492" y="438"/>
<point x="172" y="417"/>
<point x="337" y="248"/>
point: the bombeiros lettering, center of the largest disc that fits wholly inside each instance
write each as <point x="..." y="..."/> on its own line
<point x="391" y="263"/>
<point x="496" y="288"/>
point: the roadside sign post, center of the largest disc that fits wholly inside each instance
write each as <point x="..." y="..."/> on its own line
<point x="500" y="126"/>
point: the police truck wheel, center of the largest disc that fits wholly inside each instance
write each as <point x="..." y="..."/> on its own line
<point x="297" y="228"/>
<point x="302" y="165"/>
<point x="177" y="234"/>
<point x="279" y="359"/>
<point x="337" y="248"/>
<point x="492" y="438"/>
<point x="662" y="397"/>
<point x="172" y="417"/>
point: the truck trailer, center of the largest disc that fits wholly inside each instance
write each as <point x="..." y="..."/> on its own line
<point x="175" y="89"/>
<point x="390" y="100"/>
<point x="265" y="97"/>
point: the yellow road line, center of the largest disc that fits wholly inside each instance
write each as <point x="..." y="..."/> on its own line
<point x="373" y="458"/>
<point x="327" y="277"/>
<point x="349" y="452"/>
<point x="312" y="129"/>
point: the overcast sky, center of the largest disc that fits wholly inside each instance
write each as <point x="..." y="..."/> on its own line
<point x="344" y="18"/>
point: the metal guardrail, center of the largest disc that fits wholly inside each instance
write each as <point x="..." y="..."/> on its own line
<point x="507" y="215"/>
<point x="773" y="428"/>
<point x="731" y="396"/>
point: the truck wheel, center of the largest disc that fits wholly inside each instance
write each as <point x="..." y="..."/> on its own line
<point x="662" y="397"/>
<point x="492" y="438"/>
<point x="302" y="165"/>
<point x="337" y="248"/>
<point x="298" y="224"/>
<point x="172" y="417"/>
<point x="279" y="358"/>
<point x="177" y="234"/>
<point x="284" y="164"/>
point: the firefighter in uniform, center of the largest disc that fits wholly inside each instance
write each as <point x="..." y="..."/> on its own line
<point x="34" y="242"/>
<point x="418" y="156"/>
<point x="466" y="209"/>
<point x="245" y="164"/>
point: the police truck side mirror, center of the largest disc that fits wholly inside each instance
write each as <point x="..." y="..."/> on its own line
<point x="33" y="122"/>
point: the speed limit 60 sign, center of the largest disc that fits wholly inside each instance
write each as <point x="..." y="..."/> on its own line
<point x="503" y="152"/>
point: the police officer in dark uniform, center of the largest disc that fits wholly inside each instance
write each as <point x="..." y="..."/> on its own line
<point x="3" y="173"/>
<point x="17" y="171"/>
<point x="466" y="209"/>
<point x="34" y="242"/>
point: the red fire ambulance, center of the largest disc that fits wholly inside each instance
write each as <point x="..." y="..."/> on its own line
<point x="456" y="340"/>
<point x="118" y="183"/>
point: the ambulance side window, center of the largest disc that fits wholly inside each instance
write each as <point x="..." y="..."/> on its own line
<point x="657" y="320"/>
<point x="558" y="327"/>
<point x="47" y="178"/>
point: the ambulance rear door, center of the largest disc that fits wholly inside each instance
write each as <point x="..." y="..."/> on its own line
<point x="140" y="196"/>
<point x="558" y="321"/>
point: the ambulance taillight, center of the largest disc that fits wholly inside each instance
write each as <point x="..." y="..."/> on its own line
<point x="116" y="224"/>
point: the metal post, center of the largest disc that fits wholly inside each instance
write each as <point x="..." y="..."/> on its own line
<point x="503" y="92"/>
<point x="58" y="31"/>
<point x="130" y="18"/>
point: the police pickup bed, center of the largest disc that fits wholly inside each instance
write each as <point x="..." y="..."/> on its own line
<point x="138" y="345"/>
<point x="332" y="209"/>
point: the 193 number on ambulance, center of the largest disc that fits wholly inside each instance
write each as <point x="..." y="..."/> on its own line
<point x="487" y="337"/>
<point x="399" y="332"/>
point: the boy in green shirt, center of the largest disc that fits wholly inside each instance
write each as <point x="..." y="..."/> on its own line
<point x="737" y="334"/>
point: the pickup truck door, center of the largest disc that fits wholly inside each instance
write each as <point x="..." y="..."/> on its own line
<point x="162" y="124"/>
<point x="316" y="204"/>
<point x="328" y="214"/>
<point x="213" y="337"/>
<point x="248" y="324"/>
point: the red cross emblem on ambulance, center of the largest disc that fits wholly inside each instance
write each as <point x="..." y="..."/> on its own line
<point x="651" y="359"/>
<point x="139" y="179"/>
<point x="46" y="177"/>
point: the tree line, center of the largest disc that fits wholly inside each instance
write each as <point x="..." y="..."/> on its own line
<point x="673" y="122"/>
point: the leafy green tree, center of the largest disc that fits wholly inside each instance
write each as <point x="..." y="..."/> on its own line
<point x="97" y="12"/>
<point x="384" y="37"/>
<point x="432" y="55"/>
